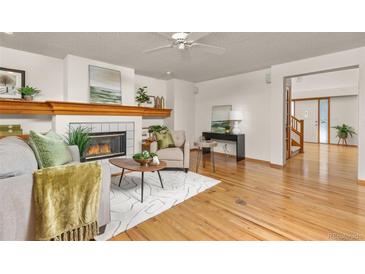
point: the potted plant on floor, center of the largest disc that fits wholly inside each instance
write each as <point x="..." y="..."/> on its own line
<point x="28" y="92"/>
<point x="343" y="132"/>
<point x="80" y="137"/>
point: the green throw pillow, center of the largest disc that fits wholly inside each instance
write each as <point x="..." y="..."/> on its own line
<point x="164" y="140"/>
<point x="50" y="150"/>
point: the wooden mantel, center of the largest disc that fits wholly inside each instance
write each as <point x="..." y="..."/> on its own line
<point x="22" y="107"/>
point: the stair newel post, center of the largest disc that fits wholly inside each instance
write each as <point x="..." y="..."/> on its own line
<point x="302" y="136"/>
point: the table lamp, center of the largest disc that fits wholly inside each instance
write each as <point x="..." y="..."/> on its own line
<point x="235" y="116"/>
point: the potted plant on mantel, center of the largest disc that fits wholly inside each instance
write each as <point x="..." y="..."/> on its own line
<point x="142" y="96"/>
<point x="28" y="92"/>
<point x="343" y="132"/>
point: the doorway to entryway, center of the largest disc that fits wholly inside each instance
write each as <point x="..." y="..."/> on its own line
<point x="318" y="106"/>
<point x="315" y="112"/>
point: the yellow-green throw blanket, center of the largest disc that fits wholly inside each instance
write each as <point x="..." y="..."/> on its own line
<point x="67" y="202"/>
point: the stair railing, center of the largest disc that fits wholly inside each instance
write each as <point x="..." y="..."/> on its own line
<point x="297" y="126"/>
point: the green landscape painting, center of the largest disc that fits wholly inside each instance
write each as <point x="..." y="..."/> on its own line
<point x="105" y="95"/>
<point x="105" y="85"/>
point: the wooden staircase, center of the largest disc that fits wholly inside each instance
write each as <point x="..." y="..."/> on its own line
<point x="295" y="146"/>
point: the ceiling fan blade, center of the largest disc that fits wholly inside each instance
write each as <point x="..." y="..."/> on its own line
<point x="185" y="54"/>
<point x="158" y="48"/>
<point x="195" y="36"/>
<point x="210" y="48"/>
<point x="166" y="35"/>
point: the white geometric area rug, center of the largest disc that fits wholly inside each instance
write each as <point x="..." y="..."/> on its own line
<point x="127" y="210"/>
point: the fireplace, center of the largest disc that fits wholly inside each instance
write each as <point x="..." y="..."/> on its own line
<point x="106" y="145"/>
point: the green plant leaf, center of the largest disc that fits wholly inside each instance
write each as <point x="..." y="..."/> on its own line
<point x="80" y="137"/>
<point x="28" y="91"/>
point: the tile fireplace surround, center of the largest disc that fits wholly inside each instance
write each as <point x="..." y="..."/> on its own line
<point x="132" y="125"/>
<point x="105" y="127"/>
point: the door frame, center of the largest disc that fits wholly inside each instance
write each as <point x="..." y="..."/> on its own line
<point x="288" y="120"/>
<point x="319" y="115"/>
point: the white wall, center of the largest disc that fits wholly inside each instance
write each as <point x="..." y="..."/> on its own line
<point x="326" y="62"/>
<point x="246" y="92"/>
<point x="155" y="87"/>
<point x="342" y="87"/>
<point x="335" y="83"/>
<point x="181" y="98"/>
<point x="68" y="79"/>
<point x="77" y="79"/>
<point x="344" y="110"/>
<point x="42" y="72"/>
<point x="344" y="91"/>
<point x="170" y="103"/>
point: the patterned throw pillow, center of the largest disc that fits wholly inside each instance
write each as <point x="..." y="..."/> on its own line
<point x="164" y="140"/>
<point x="50" y="150"/>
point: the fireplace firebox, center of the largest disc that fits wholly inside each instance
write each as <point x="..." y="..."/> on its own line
<point x="105" y="145"/>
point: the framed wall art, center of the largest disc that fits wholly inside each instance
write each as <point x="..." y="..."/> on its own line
<point x="105" y="85"/>
<point x="10" y="81"/>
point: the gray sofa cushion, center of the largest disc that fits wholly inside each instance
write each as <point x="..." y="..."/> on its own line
<point x="17" y="158"/>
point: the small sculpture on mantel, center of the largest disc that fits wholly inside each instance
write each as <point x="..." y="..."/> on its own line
<point x="159" y="102"/>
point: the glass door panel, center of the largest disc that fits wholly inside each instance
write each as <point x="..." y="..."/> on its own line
<point x="323" y="119"/>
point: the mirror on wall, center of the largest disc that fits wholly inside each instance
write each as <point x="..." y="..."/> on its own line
<point x="220" y="119"/>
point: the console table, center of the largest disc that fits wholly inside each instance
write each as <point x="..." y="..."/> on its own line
<point x="238" y="138"/>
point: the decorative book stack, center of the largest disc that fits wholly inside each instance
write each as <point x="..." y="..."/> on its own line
<point x="10" y="130"/>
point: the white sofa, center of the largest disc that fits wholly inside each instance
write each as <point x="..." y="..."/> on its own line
<point x="16" y="183"/>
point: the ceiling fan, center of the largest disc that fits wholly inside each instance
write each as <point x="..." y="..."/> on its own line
<point x="185" y="40"/>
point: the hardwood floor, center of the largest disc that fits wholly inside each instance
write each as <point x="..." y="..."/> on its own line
<point x="314" y="197"/>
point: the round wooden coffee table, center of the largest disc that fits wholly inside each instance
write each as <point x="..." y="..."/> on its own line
<point x="131" y="165"/>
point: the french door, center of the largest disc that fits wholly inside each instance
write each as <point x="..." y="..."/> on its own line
<point x="316" y="116"/>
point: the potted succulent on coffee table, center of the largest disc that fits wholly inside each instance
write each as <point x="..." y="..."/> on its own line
<point x="28" y="92"/>
<point x="144" y="158"/>
<point x="343" y="132"/>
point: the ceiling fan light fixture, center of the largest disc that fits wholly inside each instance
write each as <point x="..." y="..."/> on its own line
<point x="181" y="42"/>
<point x="179" y="36"/>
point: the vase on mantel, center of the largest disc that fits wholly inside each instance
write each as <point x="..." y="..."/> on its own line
<point x="28" y="97"/>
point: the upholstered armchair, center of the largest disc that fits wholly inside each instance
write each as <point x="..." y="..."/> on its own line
<point x="175" y="157"/>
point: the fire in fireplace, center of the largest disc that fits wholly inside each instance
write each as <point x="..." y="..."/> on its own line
<point x="99" y="149"/>
<point x="106" y="145"/>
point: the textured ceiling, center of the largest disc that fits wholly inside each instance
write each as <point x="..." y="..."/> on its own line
<point x="244" y="51"/>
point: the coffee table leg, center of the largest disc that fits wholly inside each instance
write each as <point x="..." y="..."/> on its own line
<point x="142" y="187"/>
<point x="121" y="177"/>
<point x="159" y="175"/>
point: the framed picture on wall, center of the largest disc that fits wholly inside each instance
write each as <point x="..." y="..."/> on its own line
<point x="10" y="81"/>
<point x="220" y="122"/>
<point x="105" y="85"/>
